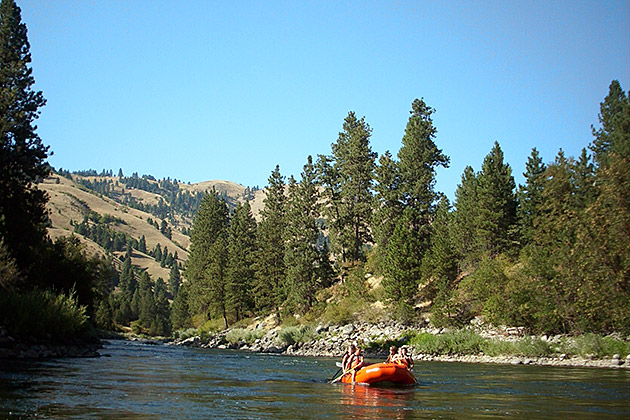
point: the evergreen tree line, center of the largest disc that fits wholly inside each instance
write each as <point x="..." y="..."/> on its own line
<point x="550" y="255"/>
<point x="139" y="302"/>
<point x="30" y="261"/>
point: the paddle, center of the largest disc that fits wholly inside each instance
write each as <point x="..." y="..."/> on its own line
<point x="340" y="366"/>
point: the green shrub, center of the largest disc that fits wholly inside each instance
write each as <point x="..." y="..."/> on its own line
<point x="42" y="314"/>
<point x="340" y="313"/>
<point x="531" y="347"/>
<point x="297" y="334"/>
<point x="238" y="335"/>
<point x="184" y="334"/>
<point x="595" y="345"/>
<point x="457" y="342"/>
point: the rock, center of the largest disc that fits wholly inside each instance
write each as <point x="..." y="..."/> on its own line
<point x="347" y="329"/>
<point x="320" y="329"/>
<point x="192" y="341"/>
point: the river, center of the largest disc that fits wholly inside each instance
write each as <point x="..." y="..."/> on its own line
<point x="140" y="381"/>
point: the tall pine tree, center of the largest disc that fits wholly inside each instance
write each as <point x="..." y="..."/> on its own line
<point x="241" y="250"/>
<point x="270" y="268"/>
<point x="23" y="156"/>
<point x="347" y="177"/>
<point x="206" y="269"/>
<point x="304" y="258"/>
<point x="530" y="196"/>
<point x="496" y="213"/>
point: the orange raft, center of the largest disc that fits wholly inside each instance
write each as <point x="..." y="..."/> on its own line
<point x="381" y="373"/>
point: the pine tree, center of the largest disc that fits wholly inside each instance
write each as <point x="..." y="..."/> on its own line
<point x="147" y="309"/>
<point x="142" y="245"/>
<point x="603" y="243"/>
<point x="241" y="251"/>
<point x="174" y="280"/>
<point x="465" y="217"/>
<point x="180" y="316"/>
<point x="387" y="201"/>
<point x="162" y="309"/>
<point x="530" y="196"/>
<point x="127" y="281"/>
<point x="401" y="268"/>
<point x="270" y="269"/>
<point x="206" y="269"/>
<point x="303" y="257"/>
<point x="496" y="214"/>
<point x="157" y="252"/>
<point x="440" y="265"/>
<point x="550" y="257"/>
<point x="419" y="158"/>
<point x="613" y="135"/>
<point x="348" y="185"/>
<point x="23" y="156"/>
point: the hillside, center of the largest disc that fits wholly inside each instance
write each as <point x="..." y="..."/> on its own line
<point x="134" y="206"/>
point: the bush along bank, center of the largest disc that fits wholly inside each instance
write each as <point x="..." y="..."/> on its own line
<point x="44" y="324"/>
<point x="475" y="344"/>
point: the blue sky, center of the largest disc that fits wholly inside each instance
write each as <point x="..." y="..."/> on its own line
<point x="200" y="90"/>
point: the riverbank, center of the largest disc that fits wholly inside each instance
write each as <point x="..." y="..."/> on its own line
<point x="476" y="344"/>
<point x="28" y="348"/>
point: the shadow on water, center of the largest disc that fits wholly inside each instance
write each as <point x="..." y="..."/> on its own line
<point x="140" y="381"/>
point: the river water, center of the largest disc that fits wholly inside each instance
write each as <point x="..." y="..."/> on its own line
<point x="140" y="381"/>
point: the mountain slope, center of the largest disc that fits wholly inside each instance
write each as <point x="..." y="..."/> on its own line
<point x="74" y="198"/>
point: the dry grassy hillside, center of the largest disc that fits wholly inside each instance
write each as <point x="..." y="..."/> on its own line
<point x="70" y="201"/>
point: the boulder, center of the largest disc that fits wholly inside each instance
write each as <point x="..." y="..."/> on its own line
<point x="347" y="329"/>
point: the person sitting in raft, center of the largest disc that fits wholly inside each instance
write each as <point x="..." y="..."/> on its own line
<point x="403" y="358"/>
<point x="349" y="354"/>
<point x="392" y="355"/>
<point x="356" y="362"/>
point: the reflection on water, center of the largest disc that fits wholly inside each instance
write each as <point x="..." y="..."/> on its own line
<point x="136" y="381"/>
<point x="369" y="402"/>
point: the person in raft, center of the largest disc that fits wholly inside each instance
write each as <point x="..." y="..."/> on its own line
<point x="392" y="355"/>
<point x="355" y="362"/>
<point x="349" y="354"/>
<point x="403" y="358"/>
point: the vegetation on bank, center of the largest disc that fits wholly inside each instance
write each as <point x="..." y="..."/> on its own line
<point x="43" y="315"/>
<point x="551" y="255"/>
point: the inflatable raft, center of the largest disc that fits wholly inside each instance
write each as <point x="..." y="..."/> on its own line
<point x="381" y="373"/>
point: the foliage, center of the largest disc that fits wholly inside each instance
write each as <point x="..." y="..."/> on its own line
<point x="207" y="266"/>
<point x="237" y="335"/>
<point x="43" y="314"/>
<point x="241" y="252"/>
<point x="270" y="267"/>
<point x="306" y="262"/>
<point x="347" y="177"/>
<point x="23" y="217"/>
<point x="295" y="334"/>
<point x="456" y="342"/>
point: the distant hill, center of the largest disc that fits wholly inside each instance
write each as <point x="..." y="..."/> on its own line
<point x="134" y="207"/>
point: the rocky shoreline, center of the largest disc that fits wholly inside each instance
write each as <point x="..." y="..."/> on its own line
<point x="11" y="348"/>
<point x="331" y="341"/>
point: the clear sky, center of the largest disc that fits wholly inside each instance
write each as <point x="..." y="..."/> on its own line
<point x="200" y="90"/>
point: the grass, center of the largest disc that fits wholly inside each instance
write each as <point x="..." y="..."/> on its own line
<point x="465" y="342"/>
<point x="457" y="342"/>
<point x="43" y="314"/>
<point x="594" y="345"/>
